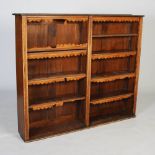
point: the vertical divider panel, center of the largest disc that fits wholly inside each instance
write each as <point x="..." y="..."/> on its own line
<point x="137" y="62"/>
<point x="88" y="78"/>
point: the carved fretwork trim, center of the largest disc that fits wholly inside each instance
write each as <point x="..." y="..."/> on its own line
<point x="52" y="104"/>
<point x="50" y="19"/>
<point x="113" y="55"/>
<point x="60" y="78"/>
<point x="115" y="19"/>
<point x="46" y="105"/>
<point x="111" y="99"/>
<point x="44" y="55"/>
<point x="98" y="79"/>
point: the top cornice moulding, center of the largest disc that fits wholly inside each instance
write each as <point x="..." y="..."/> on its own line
<point x="69" y="14"/>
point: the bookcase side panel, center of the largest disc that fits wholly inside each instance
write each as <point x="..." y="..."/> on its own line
<point x="21" y="77"/>
<point x="138" y="62"/>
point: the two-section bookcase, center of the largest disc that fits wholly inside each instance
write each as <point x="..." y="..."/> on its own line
<point x="75" y="71"/>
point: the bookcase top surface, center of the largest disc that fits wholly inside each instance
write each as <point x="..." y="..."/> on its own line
<point x="53" y="14"/>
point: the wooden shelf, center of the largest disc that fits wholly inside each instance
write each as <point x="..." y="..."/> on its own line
<point x="55" y="103"/>
<point x="49" y="128"/>
<point x="102" y="119"/>
<point x="109" y="55"/>
<point x="59" y="47"/>
<point x="56" y="78"/>
<point x="111" y="98"/>
<point x="113" y="35"/>
<point x="44" y="55"/>
<point x="108" y="78"/>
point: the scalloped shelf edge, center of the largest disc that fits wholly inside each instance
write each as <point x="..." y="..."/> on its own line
<point x="62" y="78"/>
<point x="111" y="99"/>
<point x="113" y="55"/>
<point x="44" y="55"/>
<point x="52" y="104"/>
<point x="112" y="78"/>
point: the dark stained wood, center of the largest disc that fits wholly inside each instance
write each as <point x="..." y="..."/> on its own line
<point x="52" y="14"/>
<point x="57" y="78"/>
<point x="111" y="77"/>
<point x="137" y="63"/>
<point x="21" y="72"/>
<point x="75" y="71"/>
<point x="52" y="103"/>
<point x="19" y="77"/>
<point x="109" y="55"/>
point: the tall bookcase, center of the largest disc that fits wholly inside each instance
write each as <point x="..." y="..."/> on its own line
<point x="75" y="71"/>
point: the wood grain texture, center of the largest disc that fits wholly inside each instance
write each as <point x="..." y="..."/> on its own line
<point x="88" y="78"/>
<point x="26" y="98"/>
<point x="59" y="47"/>
<point x="21" y="72"/>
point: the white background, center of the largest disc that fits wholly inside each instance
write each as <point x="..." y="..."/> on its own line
<point x="135" y="136"/>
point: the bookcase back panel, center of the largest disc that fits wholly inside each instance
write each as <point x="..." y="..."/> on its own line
<point x="111" y="111"/>
<point x="56" y="66"/>
<point x="115" y="28"/>
<point x="42" y="122"/>
<point x="43" y="93"/>
<point x="54" y="113"/>
<point x="117" y="87"/>
<point x="50" y="34"/>
<point x="105" y="67"/>
<point x="114" y="44"/>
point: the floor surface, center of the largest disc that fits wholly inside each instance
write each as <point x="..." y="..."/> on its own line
<point x="135" y="136"/>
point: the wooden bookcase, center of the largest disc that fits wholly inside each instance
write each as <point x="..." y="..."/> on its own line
<point x="75" y="71"/>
